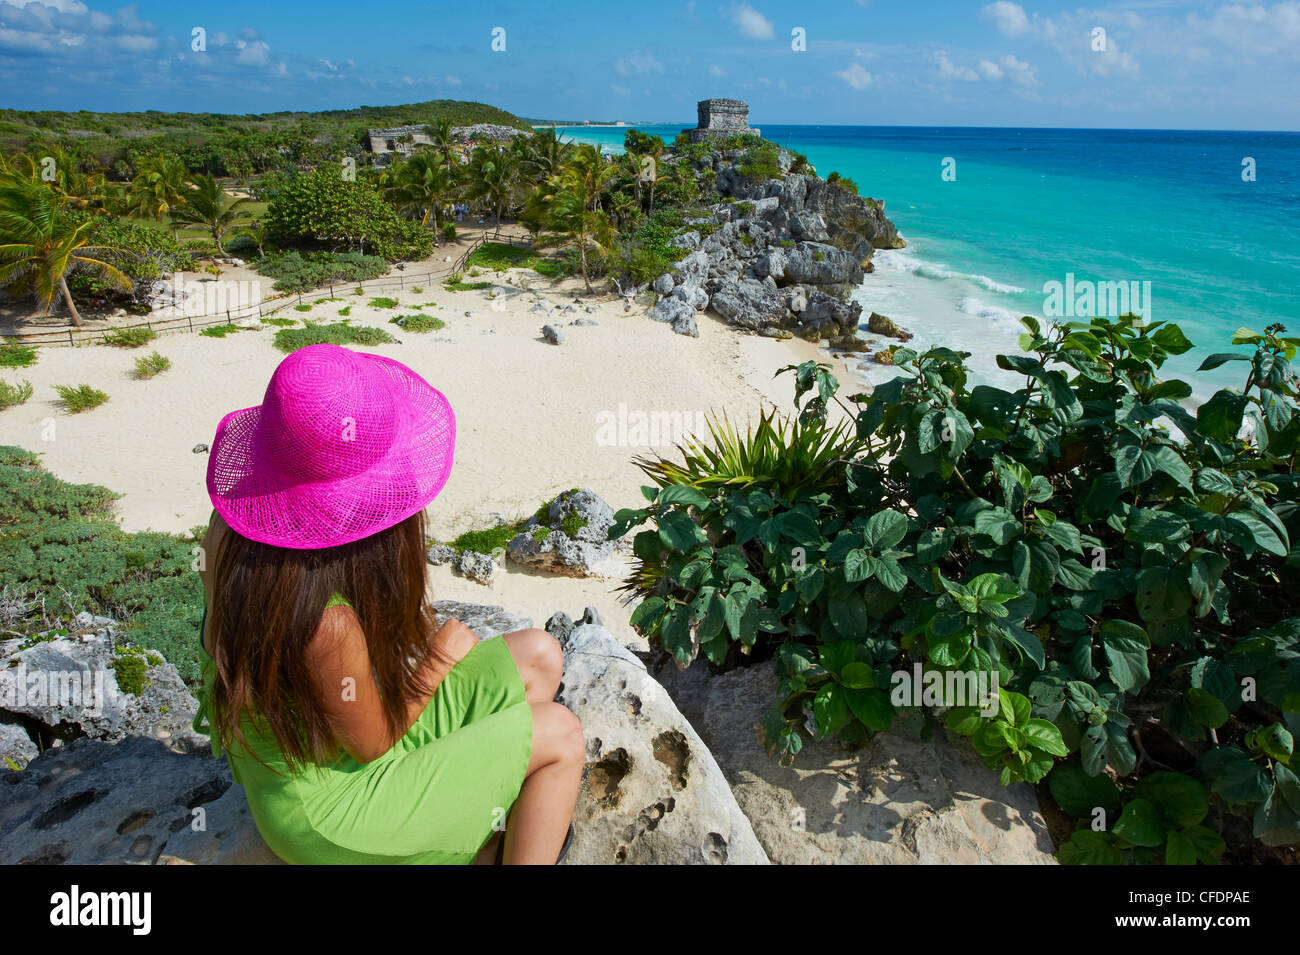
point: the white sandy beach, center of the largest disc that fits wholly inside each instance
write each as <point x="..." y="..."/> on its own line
<point x="528" y="413"/>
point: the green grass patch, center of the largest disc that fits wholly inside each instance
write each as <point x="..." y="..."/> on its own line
<point x="383" y="302"/>
<point x="418" y="323"/>
<point x="302" y="308"/>
<point x="282" y="322"/>
<point x="499" y="257"/>
<point x="78" y="398"/>
<point x="220" y="331"/>
<point x="152" y="364"/>
<point x="14" y="355"/>
<point x="466" y="286"/>
<point x="129" y="337"/>
<point x="14" y="395"/>
<point x="345" y="311"/>
<point x="340" y="333"/>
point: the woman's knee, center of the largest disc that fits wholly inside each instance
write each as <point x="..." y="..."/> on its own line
<point x="538" y="654"/>
<point x="557" y="735"/>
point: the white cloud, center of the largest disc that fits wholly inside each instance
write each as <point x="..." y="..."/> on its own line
<point x="751" y="23"/>
<point x="252" y="53"/>
<point x="716" y="70"/>
<point x="1008" y="17"/>
<point x="638" y="64"/>
<point x="1019" y="71"/>
<point x="990" y="71"/>
<point x="951" y="71"/>
<point x="620" y="90"/>
<point x="855" y="76"/>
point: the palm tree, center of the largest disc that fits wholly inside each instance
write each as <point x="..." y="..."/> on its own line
<point x="159" y="189"/>
<point x="256" y="231"/>
<point x="587" y="173"/>
<point x="443" y="142"/>
<point x="544" y="154"/>
<point x="624" y="208"/>
<point x="41" y="245"/>
<point x="493" y="175"/>
<point x="205" y="205"/>
<point x="420" y="185"/>
<point x="572" y="218"/>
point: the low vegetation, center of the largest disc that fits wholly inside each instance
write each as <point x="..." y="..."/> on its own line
<point x="129" y="337"/>
<point x="150" y="365"/>
<point x="13" y="395"/>
<point x="339" y="333"/>
<point x="78" y="398"/>
<point x="15" y="355"/>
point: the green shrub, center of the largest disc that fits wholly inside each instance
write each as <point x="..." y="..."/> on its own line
<point x="221" y="331"/>
<point x="499" y="257"/>
<point x="488" y="540"/>
<point x="282" y="322"/>
<point x="418" y="323"/>
<point x="849" y="185"/>
<point x="14" y="355"/>
<point x="302" y="308"/>
<point x="303" y="272"/>
<point x="62" y="537"/>
<point x="760" y="162"/>
<point x="152" y="364"/>
<point x="13" y="395"/>
<point x="1127" y="586"/>
<point x="340" y="333"/>
<point x="449" y="232"/>
<point x="79" y="398"/>
<point x="383" y="303"/>
<point x="466" y="286"/>
<point x="129" y="337"/>
<point x="345" y="311"/>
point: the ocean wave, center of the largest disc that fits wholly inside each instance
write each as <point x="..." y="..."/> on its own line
<point x="933" y="270"/>
<point x="980" y="309"/>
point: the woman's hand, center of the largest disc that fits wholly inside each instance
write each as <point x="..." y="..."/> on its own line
<point x="454" y="639"/>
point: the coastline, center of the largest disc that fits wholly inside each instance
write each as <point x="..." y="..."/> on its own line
<point x="529" y="414"/>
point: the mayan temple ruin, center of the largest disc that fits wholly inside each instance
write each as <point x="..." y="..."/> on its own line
<point x="721" y="117"/>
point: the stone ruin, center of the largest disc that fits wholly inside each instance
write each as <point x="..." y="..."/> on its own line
<point x="721" y="117"/>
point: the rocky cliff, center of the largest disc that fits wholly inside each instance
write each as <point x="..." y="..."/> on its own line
<point x="780" y="255"/>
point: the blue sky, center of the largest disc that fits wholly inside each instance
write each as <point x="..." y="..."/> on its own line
<point x="1220" y="65"/>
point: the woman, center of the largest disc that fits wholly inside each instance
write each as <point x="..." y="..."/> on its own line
<point x="360" y="730"/>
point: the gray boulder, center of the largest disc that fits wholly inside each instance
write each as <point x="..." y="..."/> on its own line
<point x="476" y="566"/>
<point x="693" y="267"/>
<point x="687" y="325"/>
<point x="685" y="240"/>
<point x="552" y="335"/>
<point x="71" y="687"/>
<point x="440" y="554"/>
<point x="816" y="263"/>
<point x="895" y="801"/>
<point x="821" y="307"/>
<point x="671" y="308"/>
<point x="573" y="539"/>
<point x="16" y="746"/>
<point x="664" y="284"/>
<point x="651" y="792"/>
<point x="748" y="303"/>
<point x="485" y="621"/>
<point x="693" y="295"/>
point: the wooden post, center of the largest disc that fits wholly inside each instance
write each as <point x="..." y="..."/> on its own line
<point x="190" y="319"/>
<point x="70" y="341"/>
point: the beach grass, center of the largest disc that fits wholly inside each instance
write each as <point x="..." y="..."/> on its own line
<point x="13" y="395"/>
<point x="149" y="365"/>
<point x="14" y="355"/>
<point x="418" y="323"/>
<point x="78" y="398"/>
<point x="129" y="337"/>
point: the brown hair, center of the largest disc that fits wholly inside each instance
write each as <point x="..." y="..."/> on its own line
<point x="266" y="608"/>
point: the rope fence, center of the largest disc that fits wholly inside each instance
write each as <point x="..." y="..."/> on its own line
<point x="400" y="281"/>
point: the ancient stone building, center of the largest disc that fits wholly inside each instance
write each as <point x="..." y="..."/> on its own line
<point x="398" y="139"/>
<point x="721" y="117"/>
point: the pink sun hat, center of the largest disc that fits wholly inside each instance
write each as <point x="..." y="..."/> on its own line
<point x="343" y="445"/>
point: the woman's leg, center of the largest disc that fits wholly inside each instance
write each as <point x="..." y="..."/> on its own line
<point x="540" y="660"/>
<point x="539" y="819"/>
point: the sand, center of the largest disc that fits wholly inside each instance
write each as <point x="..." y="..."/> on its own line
<point x="534" y="419"/>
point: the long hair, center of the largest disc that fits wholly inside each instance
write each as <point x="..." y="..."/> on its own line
<point x="266" y="608"/>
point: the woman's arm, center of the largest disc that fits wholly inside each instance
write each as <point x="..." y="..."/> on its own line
<point x="351" y="698"/>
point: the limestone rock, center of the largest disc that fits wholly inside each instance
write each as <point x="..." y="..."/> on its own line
<point x="70" y="685"/>
<point x="651" y="792"/>
<point x="16" y="746"/>
<point x="440" y="554"/>
<point x="573" y="540"/>
<point x="476" y="566"/>
<point x="484" y="621"/>
<point x="895" y="801"/>
<point x="552" y="335"/>
<point x="686" y="325"/>
<point x="879" y="324"/>
<point x="229" y="836"/>
<point x="748" y="303"/>
<point x="664" y="284"/>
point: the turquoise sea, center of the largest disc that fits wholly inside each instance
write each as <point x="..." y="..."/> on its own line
<point x="1023" y="208"/>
